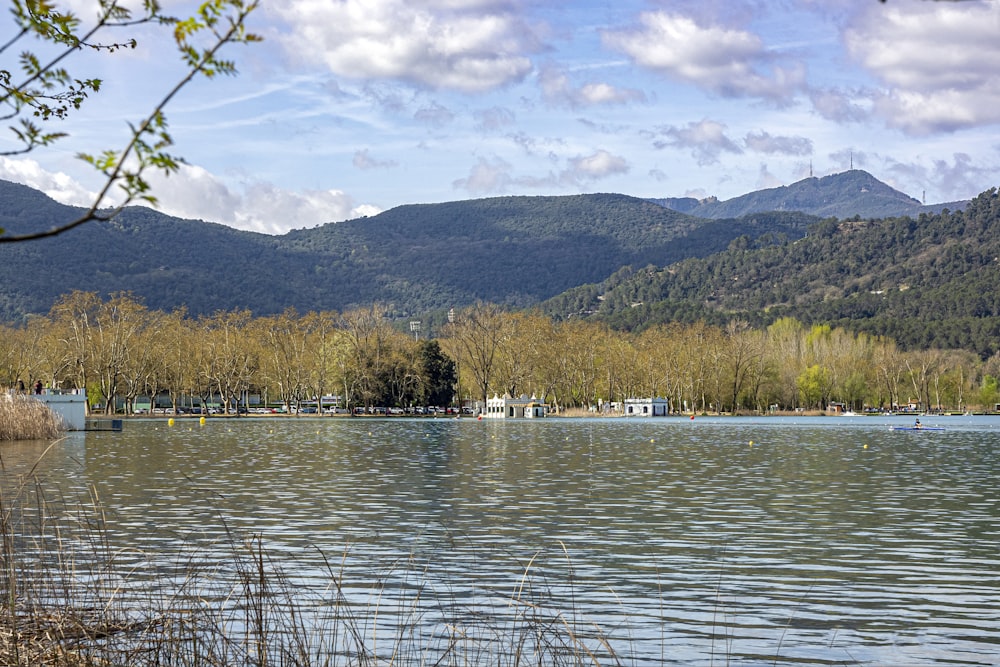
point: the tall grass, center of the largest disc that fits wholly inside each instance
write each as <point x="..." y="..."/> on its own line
<point x="73" y="599"/>
<point x="24" y="418"/>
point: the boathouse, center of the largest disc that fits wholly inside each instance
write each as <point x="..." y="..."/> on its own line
<point x="646" y="407"/>
<point x="505" y="407"/>
<point x="69" y="404"/>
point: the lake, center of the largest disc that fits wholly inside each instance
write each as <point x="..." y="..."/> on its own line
<point x="712" y="541"/>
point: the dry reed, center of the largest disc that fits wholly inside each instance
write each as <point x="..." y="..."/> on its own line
<point x="25" y="418"/>
<point x="72" y="599"/>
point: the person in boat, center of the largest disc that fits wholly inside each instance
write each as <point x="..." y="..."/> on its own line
<point x="916" y="424"/>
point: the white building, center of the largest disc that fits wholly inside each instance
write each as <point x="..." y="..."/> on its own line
<point x="70" y="405"/>
<point x="505" y="407"/>
<point x="646" y="407"/>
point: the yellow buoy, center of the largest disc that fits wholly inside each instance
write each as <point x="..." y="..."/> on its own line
<point x="751" y="443"/>
<point x="202" y="421"/>
<point x="866" y="446"/>
<point x="170" y="422"/>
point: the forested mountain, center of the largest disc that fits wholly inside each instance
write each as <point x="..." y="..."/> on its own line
<point x="929" y="281"/>
<point x="416" y="259"/>
<point x="842" y="195"/>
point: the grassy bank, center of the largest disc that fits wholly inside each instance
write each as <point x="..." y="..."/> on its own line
<point x="24" y="418"/>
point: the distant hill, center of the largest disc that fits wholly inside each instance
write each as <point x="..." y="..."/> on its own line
<point x="844" y="195"/>
<point x="416" y="259"/>
<point x="930" y="281"/>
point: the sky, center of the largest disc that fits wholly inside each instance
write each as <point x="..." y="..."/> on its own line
<point x="352" y="107"/>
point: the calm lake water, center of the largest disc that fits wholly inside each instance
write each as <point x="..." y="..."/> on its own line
<point x="696" y="542"/>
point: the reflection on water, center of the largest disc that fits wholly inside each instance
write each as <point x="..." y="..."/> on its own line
<point x="814" y="541"/>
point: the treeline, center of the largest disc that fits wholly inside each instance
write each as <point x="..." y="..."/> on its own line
<point x="119" y="350"/>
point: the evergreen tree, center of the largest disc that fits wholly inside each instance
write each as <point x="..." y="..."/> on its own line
<point x="438" y="373"/>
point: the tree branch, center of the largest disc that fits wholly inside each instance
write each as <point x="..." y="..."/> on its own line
<point x="114" y="165"/>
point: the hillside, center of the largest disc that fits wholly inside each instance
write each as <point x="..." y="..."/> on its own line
<point x="844" y="195"/>
<point x="930" y="281"/>
<point x="416" y="259"/>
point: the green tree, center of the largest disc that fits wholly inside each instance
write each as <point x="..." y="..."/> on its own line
<point x="37" y="90"/>
<point x="437" y="374"/>
<point x="813" y="384"/>
<point x="989" y="392"/>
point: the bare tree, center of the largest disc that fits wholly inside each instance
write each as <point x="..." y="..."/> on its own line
<point x="475" y="339"/>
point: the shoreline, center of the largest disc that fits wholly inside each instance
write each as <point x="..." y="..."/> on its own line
<point x="566" y="414"/>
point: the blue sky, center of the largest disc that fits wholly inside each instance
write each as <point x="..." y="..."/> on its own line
<point x="351" y="107"/>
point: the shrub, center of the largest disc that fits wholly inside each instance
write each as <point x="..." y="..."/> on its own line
<point x="25" y="418"/>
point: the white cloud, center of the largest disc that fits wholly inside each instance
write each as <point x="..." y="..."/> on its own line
<point x="266" y="208"/>
<point x="434" y="115"/>
<point x="725" y="61"/>
<point x="364" y="160"/>
<point x="706" y="139"/>
<point x="842" y="106"/>
<point x="765" y="179"/>
<point x="194" y="193"/>
<point x="61" y="187"/>
<point x="467" y="46"/>
<point x="597" y="165"/>
<point x="258" y="206"/>
<point x="849" y="158"/>
<point x="493" y="119"/>
<point x="943" y="182"/>
<point x="936" y="61"/>
<point x="496" y="175"/>
<point x="559" y="91"/>
<point x="765" y="142"/>
<point x="486" y="176"/>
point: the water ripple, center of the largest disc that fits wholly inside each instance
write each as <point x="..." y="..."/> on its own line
<point x="689" y="542"/>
